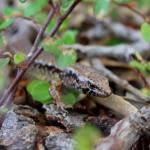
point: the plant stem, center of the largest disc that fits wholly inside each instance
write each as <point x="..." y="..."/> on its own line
<point x="37" y="52"/>
<point x="62" y="18"/>
<point x="146" y="19"/>
<point x="41" y="32"/>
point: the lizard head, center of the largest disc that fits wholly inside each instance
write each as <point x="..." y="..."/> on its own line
<point x="94" y="83"/>
<point x="87" y="80"/>
<point x="97" y="87"/>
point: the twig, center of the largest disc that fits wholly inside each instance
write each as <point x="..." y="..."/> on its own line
<point x="41" y="32"/>
<point x="36" y="53"/>
<point x="132" y="8"/>
<point x="120" y="52"/>
<point x="107" y="28"/>
<point x="18" y="77"/>
<point x="120" y="82"/>
<point x="62" y="18"/>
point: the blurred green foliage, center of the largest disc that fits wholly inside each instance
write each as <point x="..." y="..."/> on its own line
<point x="19" y="58"/>
<point x="142" y="67"/>
<point x="86" y="138"/>
<point x="70" y="98"/>
<point x="4" y="24"/>
<point x="101" y="6"/>
<point x="145" y="30"/>
<point x="34" y="7"/>
<point x="3" y="62"/>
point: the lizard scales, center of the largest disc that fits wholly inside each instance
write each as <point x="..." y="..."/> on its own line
<point x="79" y="77"/>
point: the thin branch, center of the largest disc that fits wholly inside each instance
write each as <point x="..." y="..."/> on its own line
<point x="120" y="82"/>
<point x="62" y="18"/>
<point x="41" y="32"/>
<point x="36" y="52"/>
<point x="19" y="75"/>
<point x="108" y="28"/>
<point x="132" y="8"/>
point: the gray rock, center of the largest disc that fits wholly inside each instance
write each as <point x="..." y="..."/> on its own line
<point x="60" y="141"/>
<point x="18" y="132"/>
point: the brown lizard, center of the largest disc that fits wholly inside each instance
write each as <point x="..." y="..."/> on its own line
<point x="79" y="77"/>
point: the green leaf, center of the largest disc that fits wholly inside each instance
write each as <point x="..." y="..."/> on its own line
<point x="66" y="59"/>
<point x="8" y="11"/>
<point x="1" y="82"/>
<point x="39" y="90"/>
<point x="64" y="25"/>
<point x="101" y="6"/>
<point x="40" y="17"/>
<point x="145" y="31"/>
<point x="86" y="138"/>
<point x="142" y="3"/>
<point x="4" y="110"/>
<point x="19" y="58"/>
<point x="51" y="25"/>
<point x="5" y="24"/>
<point x="1" y="40"/>
<point x="68" y="37"/>
<point x="3" y="62"/>
<point x="137" y="65"/>
<point x="51" y="47"/>
<point x="114" y="41"/>
<point x="70" y="98"/>
<point x="34" y="7"/>
<point x="65" y="4"/>
<point x="146" y="91"/>
<point x="148" y="67"/>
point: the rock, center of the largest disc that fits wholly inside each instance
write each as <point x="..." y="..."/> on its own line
<point x="18" y="132"/>
<point x="21" y="34"/>
<point x="61" y="141"/>
<point x="68" y="119"/>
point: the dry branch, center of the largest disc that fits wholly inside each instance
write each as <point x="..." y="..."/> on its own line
<point x="127" y="131"/>
<point x="120" y="82"/>
<point x="108" y="28"/>
<point x="37" y="51"/>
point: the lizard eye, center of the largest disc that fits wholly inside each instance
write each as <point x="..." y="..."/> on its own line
<point x="92" y="87"/>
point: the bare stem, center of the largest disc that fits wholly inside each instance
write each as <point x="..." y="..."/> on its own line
<point x="146" y="19"/>
<point x="41" y="32"/>
<point x="37" y="52"/>
<point x="62" y="18"/>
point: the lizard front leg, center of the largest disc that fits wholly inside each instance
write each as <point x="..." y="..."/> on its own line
<point x="55" y="91"/>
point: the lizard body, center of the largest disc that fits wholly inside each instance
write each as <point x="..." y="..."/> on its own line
<point x="79" y="77"/>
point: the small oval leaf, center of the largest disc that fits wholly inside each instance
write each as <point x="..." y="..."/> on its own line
<point x="145" y="31"/>
<point x="101" y="6"/>
<point x="66" y="59"/>
<point x="65" y="4"/>
<point x="19" y="58"/>
<point x="39" y="90"/>
<point x="6" y="24"/>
